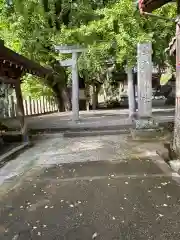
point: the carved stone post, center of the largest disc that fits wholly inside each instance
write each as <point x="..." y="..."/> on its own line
<point x="144" y="85"/>
<point x="144" y="80"/>
<point x="176" y="141"/>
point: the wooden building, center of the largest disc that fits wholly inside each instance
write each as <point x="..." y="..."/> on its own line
<point x="12" y="67"/>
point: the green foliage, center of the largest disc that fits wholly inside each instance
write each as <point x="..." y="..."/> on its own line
<point x="109" y="29"/>
<point x="123" y="24"/>
<point x="33" y="87"/>
<point x="165" y="78"/>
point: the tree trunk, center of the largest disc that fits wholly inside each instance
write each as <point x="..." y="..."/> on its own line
<point x="66" y="99"/>
<point x="94" y="102"/>
<point x="62" y="97"/>
<point x="104" y="92"/>
<point x="87" y="96"/>
<point x="96" y="96"/>
<point x="60" y="103"/>
<point x="96" y="89"/>
<point x="59" y="98"/>
<point x="121" y="88"/>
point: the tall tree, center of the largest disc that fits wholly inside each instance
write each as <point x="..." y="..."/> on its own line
<point x="33" y="27"/>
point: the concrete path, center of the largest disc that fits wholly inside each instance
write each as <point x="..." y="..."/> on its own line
<point x="91" y="119"/>
<point x="53" y="149"/>
<point x="97" y="200"/>
<point x="105" y="187"/>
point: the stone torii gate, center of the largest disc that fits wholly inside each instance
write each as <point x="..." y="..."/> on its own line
<point x="72" y="62"/>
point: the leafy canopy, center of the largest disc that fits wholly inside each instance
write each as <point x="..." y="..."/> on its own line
<point x="109" y="29"/>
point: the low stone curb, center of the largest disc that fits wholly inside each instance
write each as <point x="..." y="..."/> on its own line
<point x="166" y="168"/>
<point x="97" y="132"/>
<point x="81" y="129"/>
<point x="13" y="153"/>
<point x="175" y="165"/>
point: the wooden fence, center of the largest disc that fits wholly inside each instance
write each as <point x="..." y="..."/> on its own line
<point x="31" y="106"/>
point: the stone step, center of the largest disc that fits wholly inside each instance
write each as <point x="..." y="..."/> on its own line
<point x="95" y="133"/>
<point x="81" y="128"/>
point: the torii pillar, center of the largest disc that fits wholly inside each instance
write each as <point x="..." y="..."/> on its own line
<point x="131" y="93"/>
<point x="74" y="50"/>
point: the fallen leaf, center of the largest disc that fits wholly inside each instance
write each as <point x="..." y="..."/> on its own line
<point x="161" y="215"/>
<point x="94" y="235"/>
<point x="165" y="205"/>
<point x="164" y="184"/>
<point x="15" y="237"/>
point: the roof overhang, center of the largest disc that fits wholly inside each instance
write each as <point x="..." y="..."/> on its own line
<point x="151" y="5"/>
<point x="14" y="60"/>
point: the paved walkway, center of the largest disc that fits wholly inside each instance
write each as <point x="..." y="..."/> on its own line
<point x="91" y="119"/>
<point x="105" y="187"/>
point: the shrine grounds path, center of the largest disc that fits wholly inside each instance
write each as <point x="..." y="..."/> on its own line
<point x="98" y="187"/>
<point x="99" y="119"/>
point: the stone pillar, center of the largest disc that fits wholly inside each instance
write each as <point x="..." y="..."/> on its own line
<point x="75" y="88"/>
<point x="176" y="138"/>
<point x="144" y="87"/>
<point x="131" y="99"/>
<point x="144" y="65"/>
<point x="74" y="50"/>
